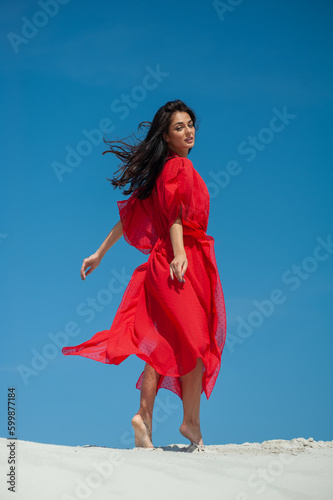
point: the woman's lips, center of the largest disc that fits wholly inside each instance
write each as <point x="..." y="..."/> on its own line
<point x="189" y="140"/>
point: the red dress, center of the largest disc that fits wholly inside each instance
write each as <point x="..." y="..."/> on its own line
<point x="164" y="322"/>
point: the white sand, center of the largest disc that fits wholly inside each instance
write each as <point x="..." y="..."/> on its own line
<point x="299" y="469"/>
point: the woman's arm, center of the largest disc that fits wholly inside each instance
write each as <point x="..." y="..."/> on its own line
<point x="179" y="264"/>
<point x="95" y="259"/>
<point x="114" y="235"/>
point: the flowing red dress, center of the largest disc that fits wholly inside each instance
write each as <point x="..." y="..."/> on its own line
<point x="162" y="321"/>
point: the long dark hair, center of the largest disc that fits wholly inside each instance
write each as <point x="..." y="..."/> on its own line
<point x="143" y="161"/>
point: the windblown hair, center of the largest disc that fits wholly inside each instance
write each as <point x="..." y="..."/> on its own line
<point x="143" y="161"/>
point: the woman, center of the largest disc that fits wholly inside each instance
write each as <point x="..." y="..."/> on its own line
<point x="172" y="314"/>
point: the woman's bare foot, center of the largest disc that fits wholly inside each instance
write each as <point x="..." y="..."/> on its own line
<point x="142" y="432"/>
<point x="191" y="432"/>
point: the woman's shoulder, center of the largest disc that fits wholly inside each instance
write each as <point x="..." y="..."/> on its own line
<point x="171" y="164"/>
<point x="177" y="169"/>
<point x="177" y="162"/>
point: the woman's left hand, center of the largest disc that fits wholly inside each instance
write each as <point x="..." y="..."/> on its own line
<point x="178" y="266"/>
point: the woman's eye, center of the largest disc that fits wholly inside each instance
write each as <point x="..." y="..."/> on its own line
<point x="180" y="128"/>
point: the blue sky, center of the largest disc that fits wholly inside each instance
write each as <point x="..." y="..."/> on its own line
<point x="259" y="76"/>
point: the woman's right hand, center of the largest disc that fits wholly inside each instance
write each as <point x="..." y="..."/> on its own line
<point x="92" y="262"/>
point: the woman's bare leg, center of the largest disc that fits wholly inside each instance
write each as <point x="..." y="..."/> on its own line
<point x="191" y="395"/>
<point x="142" y="421"/>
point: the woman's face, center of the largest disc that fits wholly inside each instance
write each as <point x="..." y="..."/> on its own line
<point x="181" y="134"/>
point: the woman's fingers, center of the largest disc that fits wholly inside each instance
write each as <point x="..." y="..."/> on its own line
<point x="174" y="271"/>
<point x="91" y="262"/>
<point x="82" y="272"/>
<point x="90" y="270"/>
<point x="178" y="269"/>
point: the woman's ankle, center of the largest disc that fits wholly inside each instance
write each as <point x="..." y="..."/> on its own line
<point x="192" y="432"/>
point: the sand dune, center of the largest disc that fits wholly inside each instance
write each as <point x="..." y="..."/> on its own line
<point x="271" y="470"/>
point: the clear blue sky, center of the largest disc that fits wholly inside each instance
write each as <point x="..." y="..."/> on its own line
<point x="259" y="76"/>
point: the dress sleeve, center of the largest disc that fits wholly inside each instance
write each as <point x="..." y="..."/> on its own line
<point x="180" y="193"/>
<point x="138" y="228"/>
